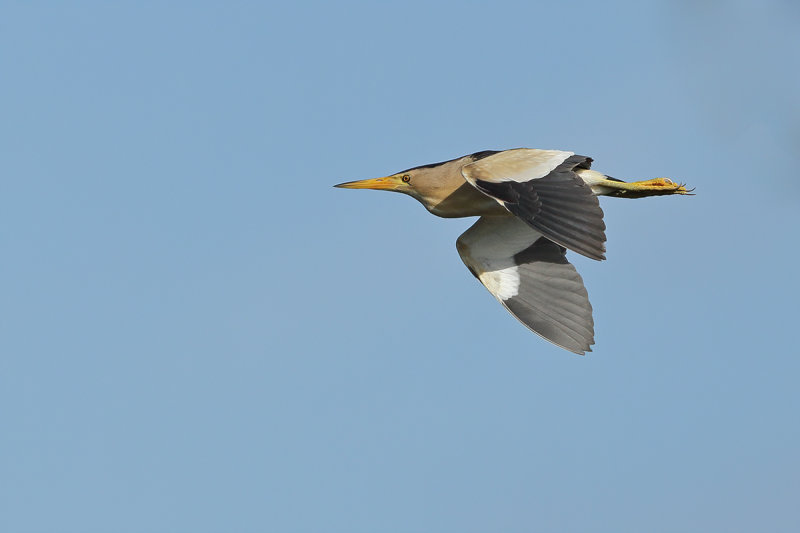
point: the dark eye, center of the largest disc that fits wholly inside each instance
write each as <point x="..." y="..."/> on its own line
<point x="406" y="178"/>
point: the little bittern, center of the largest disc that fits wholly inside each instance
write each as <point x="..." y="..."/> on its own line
<point x="534" y="205"/>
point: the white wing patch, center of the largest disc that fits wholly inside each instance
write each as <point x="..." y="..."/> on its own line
<point x="488" y="249"/>
<point x="503" y="283"/>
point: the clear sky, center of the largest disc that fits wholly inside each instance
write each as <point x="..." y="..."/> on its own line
<point x="199" y="334"/>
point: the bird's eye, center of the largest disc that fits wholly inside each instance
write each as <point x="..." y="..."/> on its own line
<point x="406" y="178"/>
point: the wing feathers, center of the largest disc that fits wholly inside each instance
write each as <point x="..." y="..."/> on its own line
<point x="547" y="194"/>
<point x="556" y="291"/>
<point x="532" y="278"/>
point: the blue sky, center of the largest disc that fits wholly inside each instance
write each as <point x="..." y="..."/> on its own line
<point x="198" y="333"/>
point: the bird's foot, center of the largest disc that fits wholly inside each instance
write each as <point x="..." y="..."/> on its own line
<point x="651" y="187"/>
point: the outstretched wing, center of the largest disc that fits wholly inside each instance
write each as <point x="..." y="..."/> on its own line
<point x="532" y="278"/>
<point x="542" y="188"/>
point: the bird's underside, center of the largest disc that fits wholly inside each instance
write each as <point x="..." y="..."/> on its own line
<point x="549" y="204"/>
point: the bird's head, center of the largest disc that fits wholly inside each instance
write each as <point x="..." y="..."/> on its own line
<point x="402" y="182"/>
<point x="430" y="184"/>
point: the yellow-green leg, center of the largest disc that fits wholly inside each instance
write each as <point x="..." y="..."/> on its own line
<point x="640" y="189"/>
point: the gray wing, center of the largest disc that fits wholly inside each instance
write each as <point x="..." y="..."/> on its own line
<point x="542" y="188"/>
<point x="532" y="278"/>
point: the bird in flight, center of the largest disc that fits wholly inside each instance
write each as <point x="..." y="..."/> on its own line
<point x="533" y="205"/>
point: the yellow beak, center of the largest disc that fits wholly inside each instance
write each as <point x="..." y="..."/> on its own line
<point x="388" y="183"/>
